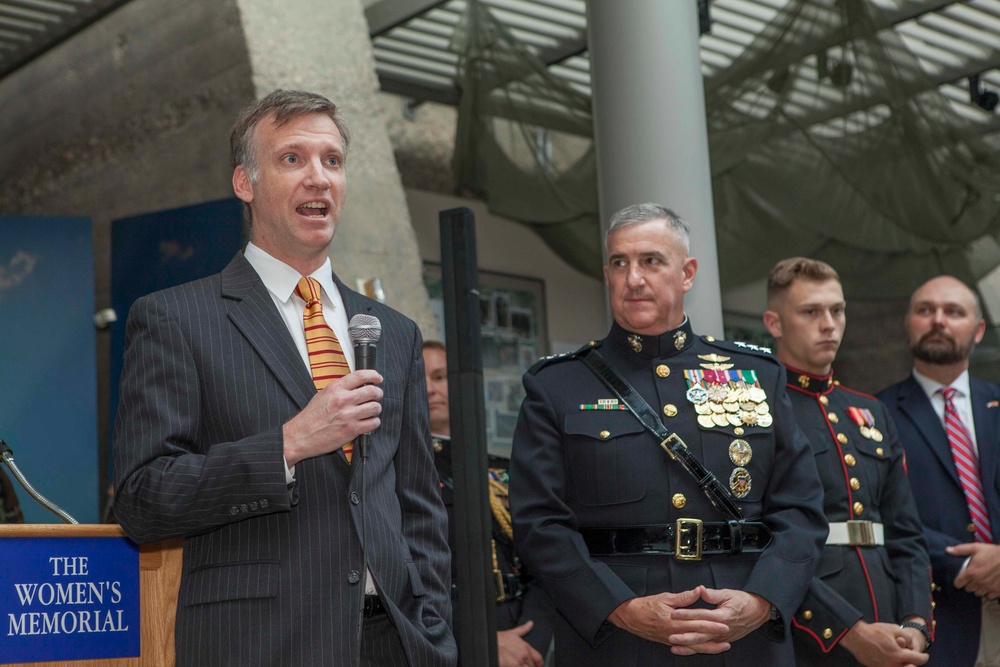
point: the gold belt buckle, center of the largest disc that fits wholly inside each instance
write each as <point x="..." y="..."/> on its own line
<point x="860" y="533"/>
<point x="683" y="549"/>
<point x="668" y="444"/>
<point x="501" y="591"/>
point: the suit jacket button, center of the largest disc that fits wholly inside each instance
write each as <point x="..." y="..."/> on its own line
<point x="353" y="576"/>
<point x="355" y="497"/>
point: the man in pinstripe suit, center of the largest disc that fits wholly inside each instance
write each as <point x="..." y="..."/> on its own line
<point x="222" y="438"/>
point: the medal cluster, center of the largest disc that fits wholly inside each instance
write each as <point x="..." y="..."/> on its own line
<point x="866" y="423"/>
<point x="727" y="397"/>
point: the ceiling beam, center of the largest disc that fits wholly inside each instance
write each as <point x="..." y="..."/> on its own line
<point x="385" y="15"/>
<point x="744" y="68"/>
<point x="84" y="18"/>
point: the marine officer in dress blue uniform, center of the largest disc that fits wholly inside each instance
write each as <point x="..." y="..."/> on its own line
<point x="870" y="601"/>
<point x="643" y="567"/>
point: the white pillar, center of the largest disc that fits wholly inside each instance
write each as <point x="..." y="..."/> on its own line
<point x="650" y="128"/>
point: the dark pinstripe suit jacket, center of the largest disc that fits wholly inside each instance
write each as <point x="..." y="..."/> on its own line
<point x="272" y="575"/>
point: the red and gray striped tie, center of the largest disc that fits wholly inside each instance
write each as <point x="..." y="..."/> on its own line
<point x="326" y="356"/>
<point x="967" y="465"/>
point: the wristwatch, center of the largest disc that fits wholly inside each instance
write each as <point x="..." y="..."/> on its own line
<point x="923" y="630"/>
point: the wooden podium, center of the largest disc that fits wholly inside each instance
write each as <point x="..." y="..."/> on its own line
<point x="159" y="578"/>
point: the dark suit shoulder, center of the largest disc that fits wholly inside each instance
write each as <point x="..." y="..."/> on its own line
<point x="984" y="386"/>
<point x="360" y="303"/>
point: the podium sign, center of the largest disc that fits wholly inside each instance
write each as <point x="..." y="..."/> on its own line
<point x="64" y="597"/>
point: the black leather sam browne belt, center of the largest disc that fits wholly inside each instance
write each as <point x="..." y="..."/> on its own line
<point x="686" y="539"/>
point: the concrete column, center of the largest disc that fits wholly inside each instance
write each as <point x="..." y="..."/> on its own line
<point x="323" y="47"/>
<point x="650" y="127"/>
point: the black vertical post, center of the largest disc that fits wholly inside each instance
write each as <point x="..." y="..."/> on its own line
<point x="476" y="621"/>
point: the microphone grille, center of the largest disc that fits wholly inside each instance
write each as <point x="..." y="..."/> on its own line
<point x="364" y="329"/>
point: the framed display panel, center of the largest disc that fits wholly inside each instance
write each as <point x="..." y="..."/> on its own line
<point x="514" y="336"/>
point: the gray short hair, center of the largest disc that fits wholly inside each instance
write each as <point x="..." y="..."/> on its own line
<point x="638" y="213"/>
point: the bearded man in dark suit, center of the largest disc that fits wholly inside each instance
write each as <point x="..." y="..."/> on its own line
<point x="231" y="436"/>
<point x="943" y="325"/>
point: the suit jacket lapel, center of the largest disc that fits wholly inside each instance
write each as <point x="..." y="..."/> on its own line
<point x="987" y="422"/>
<point x="913" y="403"/>
<point x="252" y="311"/>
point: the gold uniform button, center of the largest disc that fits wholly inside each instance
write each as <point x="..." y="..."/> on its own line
<point x="592" y="343"/>
<point x="605" y="434"/>
<point x="832" y="416"/>
<point x="850" y="460"/>
<point x="670" y="410"/>
<point x="824" y="400"/>
<point x="971" y="528"/>
<point x="827" y="633"/>
<point x="679" y="500"/>
<point x="807" y="614"/>
<point x="738" y="430"/>
<point x="663" y="370"/>
<point x="855" y="483"/>
<point x="859" y="508"/>
<point x="842" y="438"/>
<point x="710" y="339"/>
<point x="879" y="451"/>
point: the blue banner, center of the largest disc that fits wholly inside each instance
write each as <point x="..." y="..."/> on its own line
<point x="69" y="599"/>
<point x="48" y="361"/>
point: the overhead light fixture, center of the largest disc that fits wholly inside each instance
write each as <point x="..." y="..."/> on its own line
<point x="978" y="94"/>
<point x="779" y="80"/>
<point x="840" y="73"/>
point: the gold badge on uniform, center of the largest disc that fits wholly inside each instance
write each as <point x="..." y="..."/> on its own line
<point x="635" y="342"/>
<point x="803" y="381"/>
<point x="680" y="338"/>
<point x="740" y="452"/>
<point x="739" y="482"/>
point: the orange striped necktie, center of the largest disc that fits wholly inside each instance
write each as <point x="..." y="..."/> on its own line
<point x="326" y="356"/>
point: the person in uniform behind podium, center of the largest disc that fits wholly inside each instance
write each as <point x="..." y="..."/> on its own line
<point x="643" y="567"/>
<point x="524" y="610"/>
<point x="870" y="601"/>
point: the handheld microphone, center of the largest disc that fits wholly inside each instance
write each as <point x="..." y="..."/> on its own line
<point x="365" y="331"/>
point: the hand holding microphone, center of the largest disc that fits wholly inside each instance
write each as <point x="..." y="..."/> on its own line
<point x="336" y="415"/>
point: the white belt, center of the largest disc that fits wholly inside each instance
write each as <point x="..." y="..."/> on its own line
<point x="856" y="533"/>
